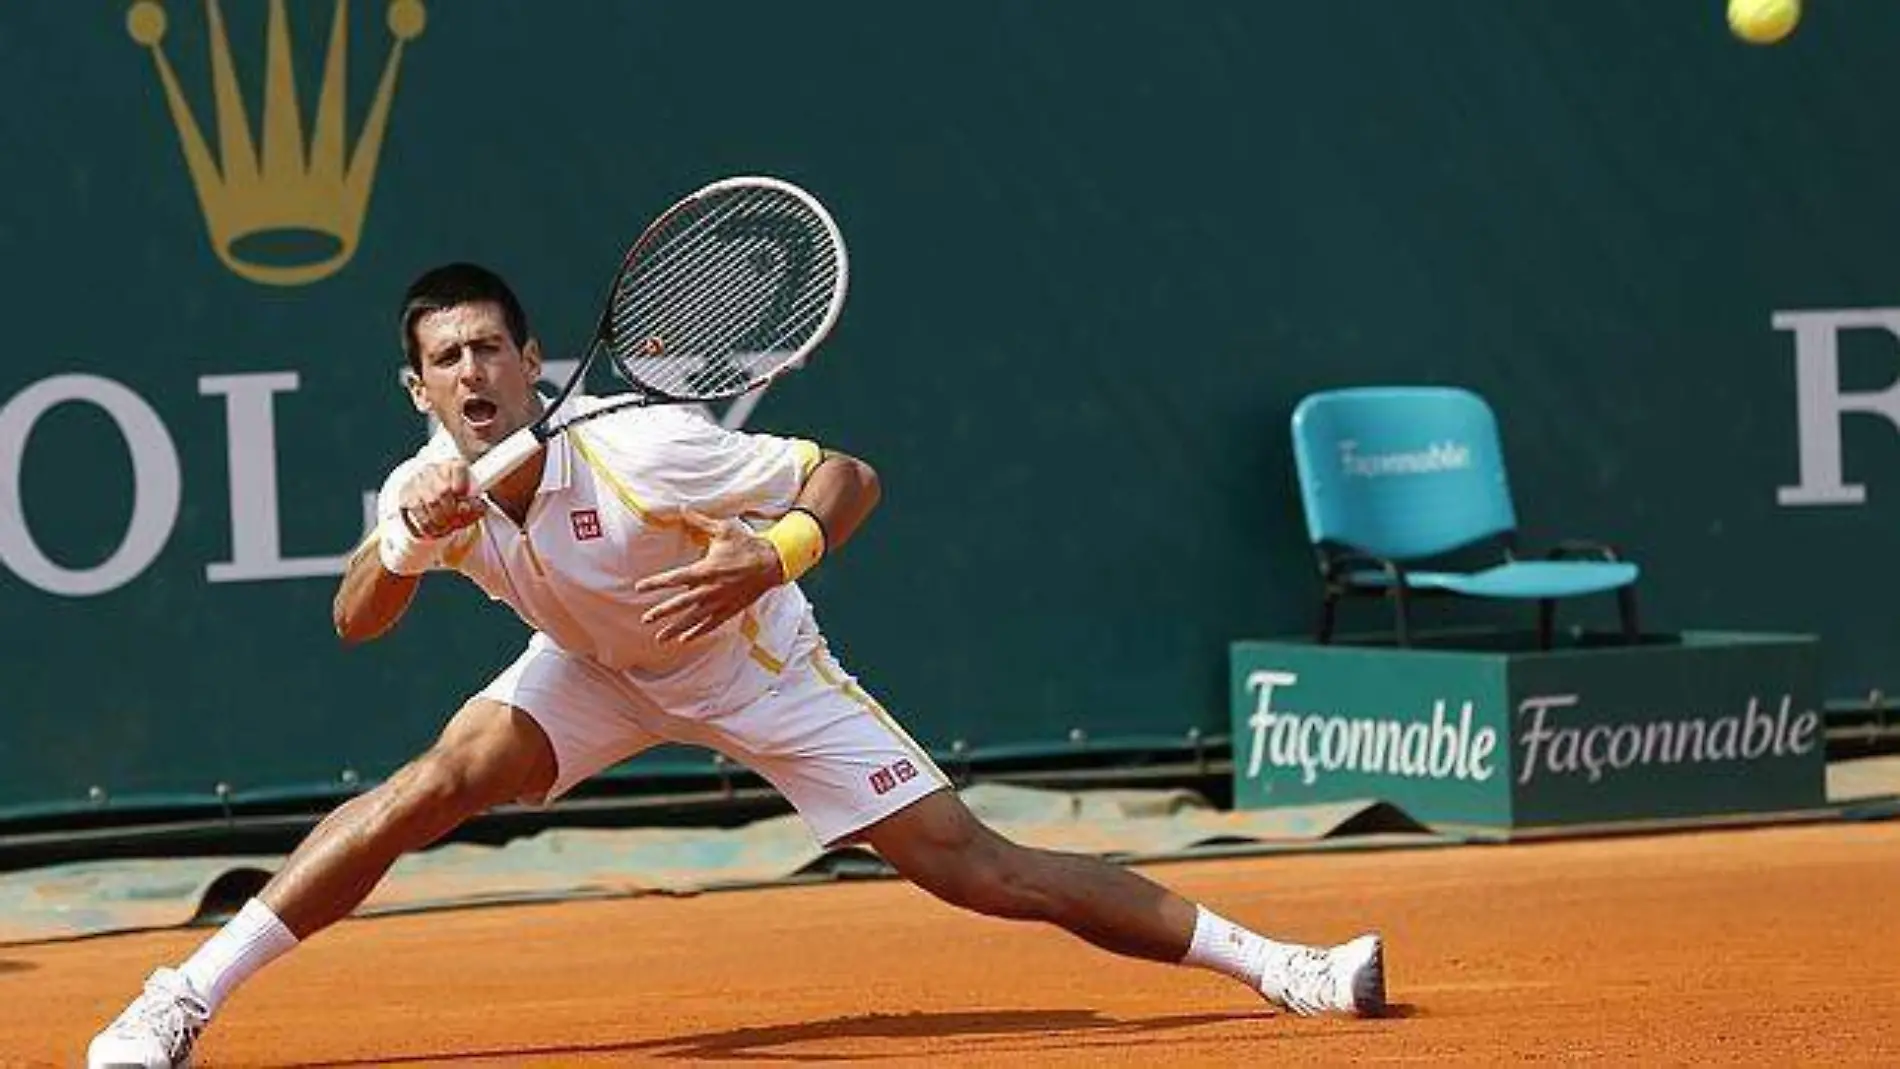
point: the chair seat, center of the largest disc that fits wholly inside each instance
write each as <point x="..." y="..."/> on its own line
<point x="1517" y="579"/>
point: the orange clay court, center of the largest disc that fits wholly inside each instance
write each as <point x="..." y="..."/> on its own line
<point x="1766" y="946"/>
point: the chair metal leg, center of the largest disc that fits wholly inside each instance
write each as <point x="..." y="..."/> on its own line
<point x="1328" y="614"/>
<point x="1546" y="622"/>
<point x="1626" y="608"/>
<point x="1402" y="615"/>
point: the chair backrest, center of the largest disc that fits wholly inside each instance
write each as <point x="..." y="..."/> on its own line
<point x="1403" y="472"/>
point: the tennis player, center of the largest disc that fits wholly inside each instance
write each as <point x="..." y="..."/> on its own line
<point x="656" y="555"/>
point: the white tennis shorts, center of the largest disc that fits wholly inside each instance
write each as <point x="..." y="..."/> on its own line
<point x="813" y="733"/>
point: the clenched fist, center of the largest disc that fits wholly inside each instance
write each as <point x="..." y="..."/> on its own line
<point x="437" y="501"/>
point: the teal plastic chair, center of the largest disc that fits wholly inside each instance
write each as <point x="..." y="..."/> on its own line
<point x="1396" y="479"/>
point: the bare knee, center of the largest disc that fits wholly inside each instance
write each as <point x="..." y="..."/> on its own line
<point x="424" y="799"/>
<point x="486" y="756"/>
<point x="442" y="781"/>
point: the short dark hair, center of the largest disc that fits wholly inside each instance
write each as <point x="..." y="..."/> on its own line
<point x="454" y="284"/>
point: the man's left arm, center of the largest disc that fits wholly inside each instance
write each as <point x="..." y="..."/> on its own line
<point x="741" y="565"/>
<point x="839" y="493"/>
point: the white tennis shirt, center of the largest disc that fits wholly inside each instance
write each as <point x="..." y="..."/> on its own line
<point x="605" y="517"/>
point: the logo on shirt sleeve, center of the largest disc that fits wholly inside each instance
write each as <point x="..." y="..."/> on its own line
<point x="586" y="524"/>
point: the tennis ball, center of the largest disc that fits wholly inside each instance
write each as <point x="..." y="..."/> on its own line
<point x="1763" y="22"/>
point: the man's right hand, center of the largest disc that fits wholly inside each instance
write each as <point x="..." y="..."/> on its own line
<point x="438" y="501"/>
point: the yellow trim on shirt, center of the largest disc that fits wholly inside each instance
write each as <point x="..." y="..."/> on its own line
<point x="810" y="455"/>
<point x="749" y="627"/>
<point x="621" y="490"/>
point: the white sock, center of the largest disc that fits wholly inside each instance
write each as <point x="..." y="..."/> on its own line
<point x="1225" y="947"/>
<point x="248" y="942"/>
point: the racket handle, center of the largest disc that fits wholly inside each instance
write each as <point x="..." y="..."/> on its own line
<point x="509" y="453"/>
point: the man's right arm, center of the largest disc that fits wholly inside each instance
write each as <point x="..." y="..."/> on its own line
<point x="371" y="598"/>
<point x="421" y="505"/>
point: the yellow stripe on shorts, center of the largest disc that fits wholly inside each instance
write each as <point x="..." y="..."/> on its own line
<point x="829" y="671"/>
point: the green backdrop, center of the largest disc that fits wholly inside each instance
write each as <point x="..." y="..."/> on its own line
<point x="1099" y="250"/>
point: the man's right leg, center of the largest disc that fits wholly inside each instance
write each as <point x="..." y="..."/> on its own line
<point x="488" y="754"/>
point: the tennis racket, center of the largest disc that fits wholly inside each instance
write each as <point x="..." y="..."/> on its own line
<point x="728" y="289"/>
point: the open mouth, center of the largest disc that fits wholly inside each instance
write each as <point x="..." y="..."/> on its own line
<point x="479" y="413"/>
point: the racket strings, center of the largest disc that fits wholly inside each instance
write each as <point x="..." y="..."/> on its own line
<point x="802" y="319"/>
<point x="726" y="296"/>
<point x="709" y="308"/>
<point x="660" y="275"/>
<point x="682" y="336"/>
<point x="709" y="305"/>
<point x="673" y="248"/>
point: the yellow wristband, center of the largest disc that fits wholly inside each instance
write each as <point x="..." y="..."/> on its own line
<point x="800" y="541"/>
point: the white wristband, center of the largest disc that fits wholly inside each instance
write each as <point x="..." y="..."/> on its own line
<point x="401" y="551"/>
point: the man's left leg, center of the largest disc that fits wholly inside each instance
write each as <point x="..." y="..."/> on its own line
<point x="854" y="774"/>
<point x="938" y="844"/>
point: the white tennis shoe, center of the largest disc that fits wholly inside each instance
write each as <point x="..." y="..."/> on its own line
<point x="156" y="1031"/>
<point x="1348" y="978"/>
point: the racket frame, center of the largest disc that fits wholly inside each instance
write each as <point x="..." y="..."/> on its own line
<point x="521" y="446"/>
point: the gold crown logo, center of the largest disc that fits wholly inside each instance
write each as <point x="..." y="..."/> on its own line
<point x="292" y="214"/>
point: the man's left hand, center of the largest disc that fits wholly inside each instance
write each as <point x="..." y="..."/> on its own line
<point x="738" y="568"/>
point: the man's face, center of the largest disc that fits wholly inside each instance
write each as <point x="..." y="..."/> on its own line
<point x="473" y="379"/>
